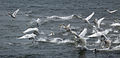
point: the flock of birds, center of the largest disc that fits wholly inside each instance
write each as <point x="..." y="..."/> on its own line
<point x="80" y="40"/>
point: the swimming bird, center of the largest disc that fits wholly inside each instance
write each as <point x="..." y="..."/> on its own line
<point x="106" y="43"/>
<point x="112" y="11"/>
<point x="89" y="17"/>
<point x="38" y="21"/>
<point x="13" y="15"/>
<point x="32" y="30"/>
<point x="67" y="28"/>
<point x="51" y="34"/>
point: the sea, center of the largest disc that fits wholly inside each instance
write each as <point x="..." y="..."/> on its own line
<point x="53" y="13"/>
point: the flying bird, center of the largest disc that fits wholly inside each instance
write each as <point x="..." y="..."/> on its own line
<point x="112" y="11"/>
<point x="80" y="39"/>
<point x="115" y="24"/>
<point x="13" y="15"/>
<point x="88" y="18"/>
<point x="100" y="33"/>
<point x="98" y="22"/>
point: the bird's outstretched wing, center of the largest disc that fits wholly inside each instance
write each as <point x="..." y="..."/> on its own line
<point x="90" y="16"/>
<point x="83" y="33"/>
<point x="99" y="21"/>
<point x="15" y="12"/>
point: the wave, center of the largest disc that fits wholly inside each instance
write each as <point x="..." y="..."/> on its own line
<point x="56" y="40"/>
<point x="64" y="17"/>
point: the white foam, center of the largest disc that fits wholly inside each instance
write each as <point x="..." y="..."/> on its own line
<point x="42" y="39"/>
<point x="63" y="17"/>
<point x="116" y="41"/>
<point x="116" y="48"/>
<point x="66" y="41"/>
<point x="56" y="40"/>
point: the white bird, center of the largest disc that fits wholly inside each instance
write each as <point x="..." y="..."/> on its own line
<point x="51" y="34"/>
<point x="89" y="17"/>
<point x="106" y="43"/>
<point x="98" y="22"/>
<point x="32" y="30"/>
<point x="38" y="21"/>
<point x="13" y="15"/>
<point x="98" y="33"/>
<point x="29" y="36"/>
<point x="67" y="28"/>
<point x="80" y="39"/>
<point x="83" y="33"/>
<point x="112" y="11"/>
<point x="115" y="24"/>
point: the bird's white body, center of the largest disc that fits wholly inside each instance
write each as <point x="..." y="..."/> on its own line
<point x="13" y="15"/>
<point x="99" y="22"/>
<point x="97" y="34"/>
<point x="51" y="34"/>
<point x="89" y="17"/>
<point x="38" y="20"/>
<point x="80" y="39"/>
<point x="112" y="11"/>
<point x="28" y="36"/>
<point x="31" y="30"/>
<point x="115" y="24"/>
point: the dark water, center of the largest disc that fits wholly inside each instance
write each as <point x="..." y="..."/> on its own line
<point x="11" y="30"/>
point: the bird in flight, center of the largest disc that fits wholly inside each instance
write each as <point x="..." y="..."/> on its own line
<point x="13" y="15"/>
<point x="112" y="11"/>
